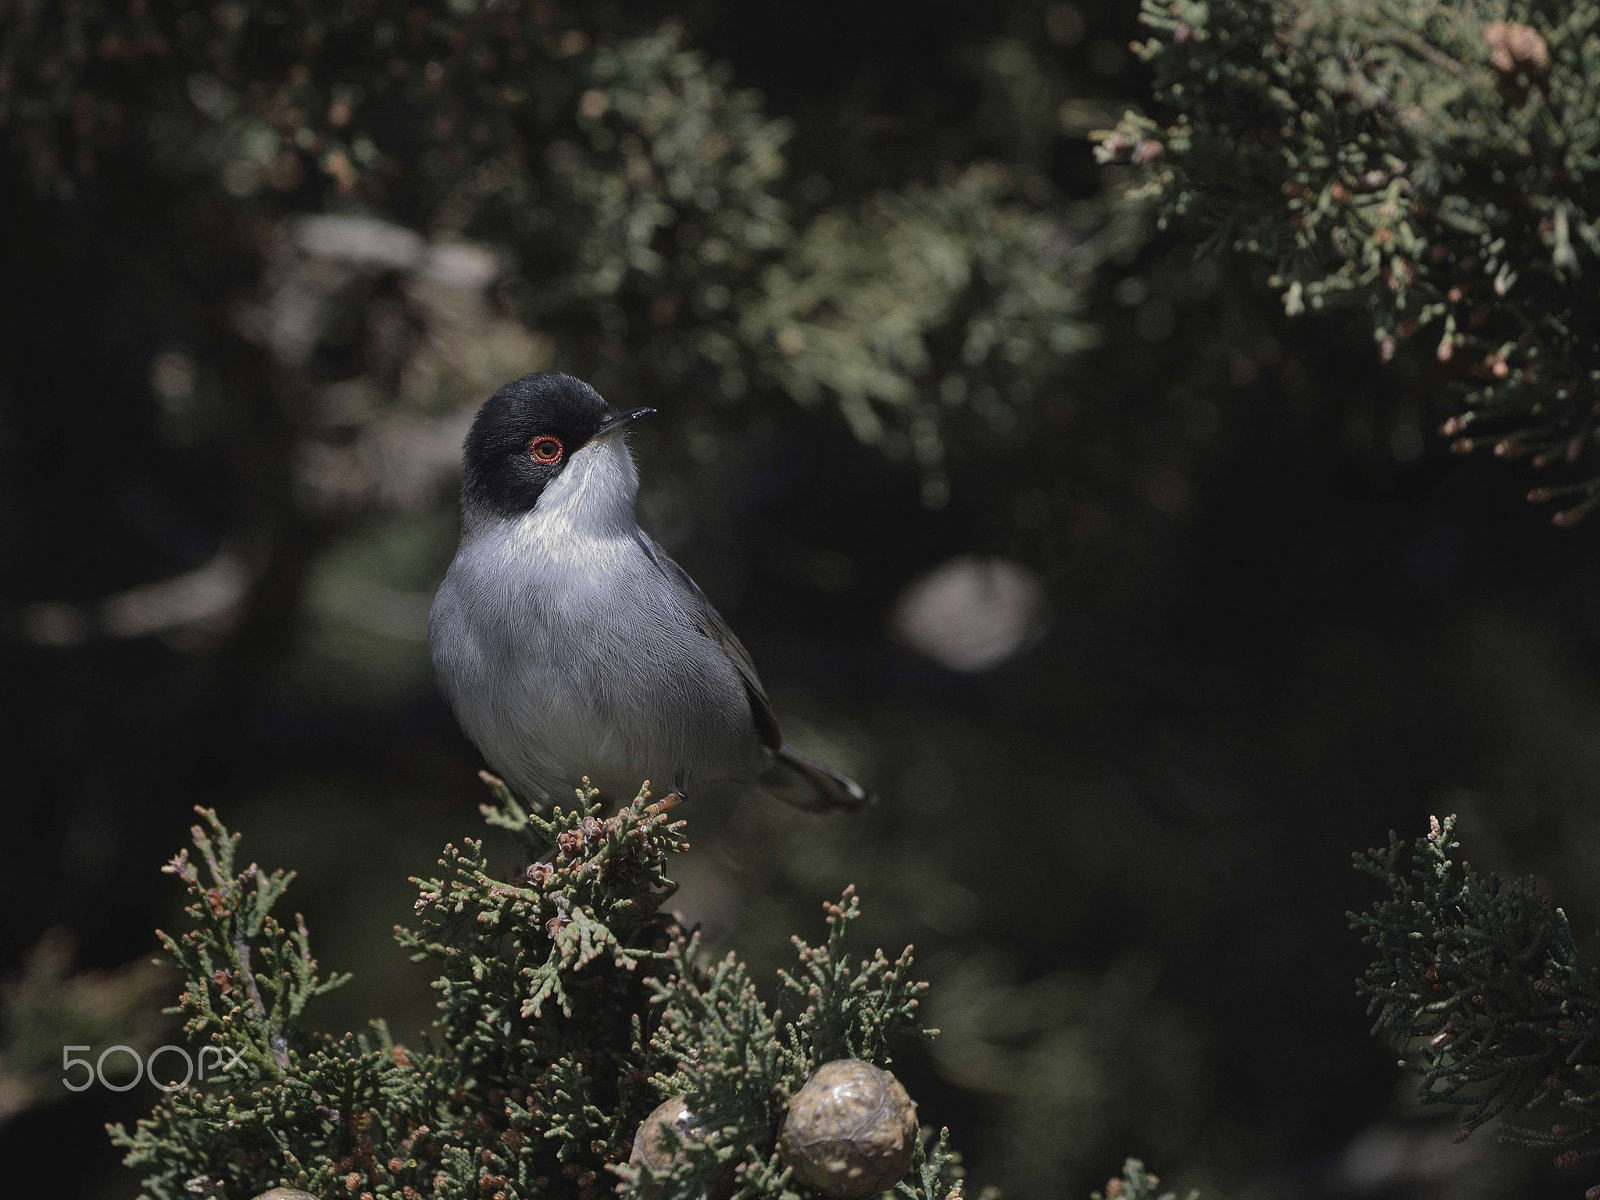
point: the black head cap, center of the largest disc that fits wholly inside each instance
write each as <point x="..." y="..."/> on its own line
<point x="525" y="434"/>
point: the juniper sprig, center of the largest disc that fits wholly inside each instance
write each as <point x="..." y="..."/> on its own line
<point x="1431" y="167"/>
<point x="569" y="1006"/>
<point x="1479" y="982"/>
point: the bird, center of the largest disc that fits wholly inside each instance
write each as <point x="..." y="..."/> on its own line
<point x="570" y="646"/>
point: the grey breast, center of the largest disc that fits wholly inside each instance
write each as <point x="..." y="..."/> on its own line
<point x="587" y="662"/>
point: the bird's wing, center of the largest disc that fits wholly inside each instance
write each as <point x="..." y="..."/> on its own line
<point x="714" y="627"/>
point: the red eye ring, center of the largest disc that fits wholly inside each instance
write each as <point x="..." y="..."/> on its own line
<point x="546" y="450"/>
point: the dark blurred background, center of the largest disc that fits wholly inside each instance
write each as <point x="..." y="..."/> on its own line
<point x="1141" y="605"/>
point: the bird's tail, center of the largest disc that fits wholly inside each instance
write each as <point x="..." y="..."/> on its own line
<point x="807" y="784"/>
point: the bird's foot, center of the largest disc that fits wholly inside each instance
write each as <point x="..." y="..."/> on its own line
<point x="670" y="801"/>
<point x="667" y="803"/>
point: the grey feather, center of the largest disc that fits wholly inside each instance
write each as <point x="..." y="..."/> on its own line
<point x="714" y="627"/>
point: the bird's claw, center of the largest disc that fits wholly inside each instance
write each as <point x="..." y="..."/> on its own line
<point x="666" y="804"/>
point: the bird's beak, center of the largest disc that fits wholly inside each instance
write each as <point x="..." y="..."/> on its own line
<point x="617" y="420"/>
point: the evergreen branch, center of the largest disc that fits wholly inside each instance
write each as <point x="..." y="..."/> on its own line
<point x="568" y="1008"/>
<point x="231" y="913"/>
<point x="850" y="1010"/>
<point x="935" y="1172"/>
<point x="298" y="1108"/>
<point x="1434" y="168"/>
<point x="1480" y="983"/>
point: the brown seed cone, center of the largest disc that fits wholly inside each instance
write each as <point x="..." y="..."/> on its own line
<point x="285" y="1193"/>
<point x="850" y="1131"/>
<point x="650" y="1148"/>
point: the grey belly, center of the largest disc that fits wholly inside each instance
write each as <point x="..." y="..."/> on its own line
<point x="608" y="690"/>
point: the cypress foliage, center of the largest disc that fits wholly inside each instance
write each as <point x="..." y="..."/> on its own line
<point x="1479" y="982"/>
<point x="569" y="1007"/>
<point x="1429" y="166"/>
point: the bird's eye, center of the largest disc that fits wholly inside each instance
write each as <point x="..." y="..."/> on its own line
<point x="546" y="450"/>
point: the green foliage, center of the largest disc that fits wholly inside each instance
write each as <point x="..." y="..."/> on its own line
<point x="569" y="1007"/>
<point x="637" y="204"/>
<point x="845" y="1009"/>
<point x="288" y="1100"/>
<point x="47" y="1006"/>
<point x="739" y="1078"/>
<point x="226" y="999"/>
<point x="1478" y="980"/>
<point x="1431" y="166"/>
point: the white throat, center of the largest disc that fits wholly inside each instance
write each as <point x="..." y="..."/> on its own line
<point x="590" y="500"/>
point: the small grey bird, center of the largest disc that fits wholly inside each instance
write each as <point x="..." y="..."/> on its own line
<point x="567" y="642"/>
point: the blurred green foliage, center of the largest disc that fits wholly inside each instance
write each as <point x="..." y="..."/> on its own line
<point x="634" y="200"/>
<point x="47" y="1006"/>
